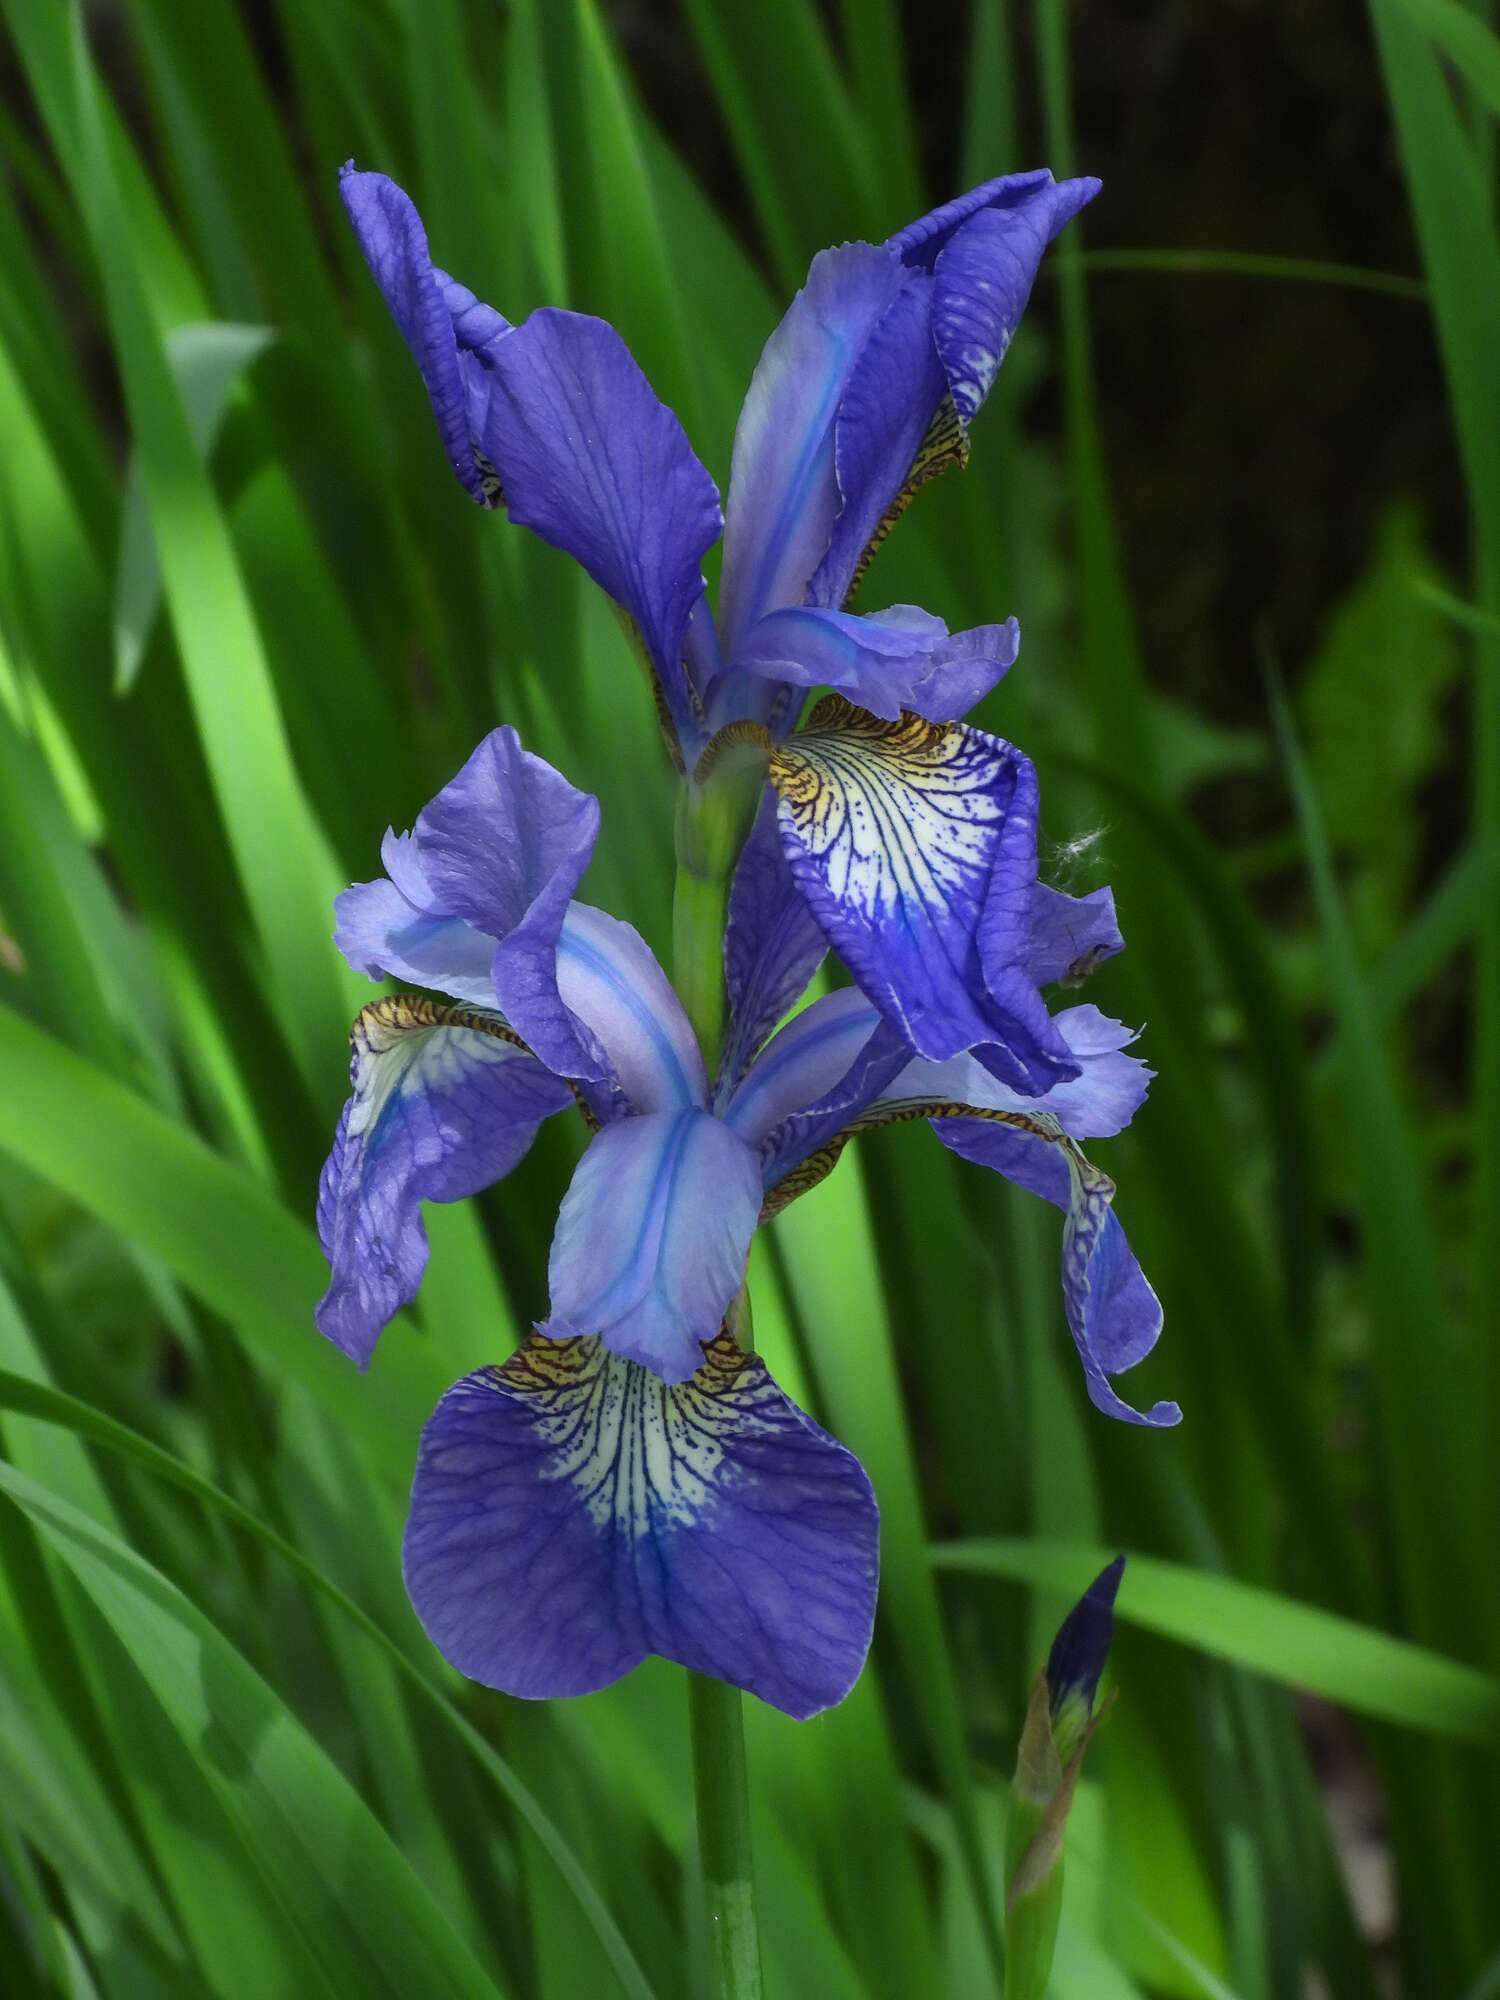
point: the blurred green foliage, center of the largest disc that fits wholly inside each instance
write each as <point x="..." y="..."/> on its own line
<point x="247" y="620"/>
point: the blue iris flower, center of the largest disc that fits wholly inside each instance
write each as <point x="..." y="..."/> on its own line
<point x="632" y="1481"/>
<point x="910" y="836"/>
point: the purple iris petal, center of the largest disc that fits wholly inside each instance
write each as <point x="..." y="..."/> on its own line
<point x="801" y="1133"/>
<point x="398" y="927"/>
<point x="437" y="1111"/>
<point x="1070" y="935"/>
<point x="1100" y="1101"/>
<point x="982" y="279"/>
<point x="445" y="327"/>
<point x="593" y="463"/>
<point x="608" y="976"/>
<point x="572" y="1514"/>
<point x="772" y="947"/>
<point x="883" y="422"/>
<point x="915" y="846"/>
<point x="896" y="659"/>
<point x="503" y="846"/>
<point x="783" y="492"/>
<point x="652" y="1238"/>
<point x="802" y="1063"/>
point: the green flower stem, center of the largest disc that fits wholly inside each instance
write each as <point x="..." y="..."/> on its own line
<point x="733" y="1942"/>
<point x="699" y="904"/>
<point x="714" y="814"/>
<point x="713" y="818"/>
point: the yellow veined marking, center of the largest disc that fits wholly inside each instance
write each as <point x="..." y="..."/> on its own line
<point x="946" y="443"/>
<point x="819" y="1165"/>
<point x="634" y="1447"/>
<point x="384" y="1024"/>
<point x="891" y="811"/>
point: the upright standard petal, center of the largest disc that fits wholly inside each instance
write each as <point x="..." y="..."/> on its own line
<point x="399" y="927"/>
<point x="571" y="1514"/>
<point x="444" y="1102"/>
<point x="593" y="463"/>
<point x="896" y="430"/>
<point x="783" y="490"/>
<point x="983" y="251"/>
<point x="450" y="334"/>
<point x="898" y="659"/>
<point x="772" y="947"/>
<point x="915" y="846"/>
<point x="503" y="846"/>
<point x="652" y="1238"/>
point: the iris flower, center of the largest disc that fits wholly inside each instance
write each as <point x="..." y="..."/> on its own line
<point x="910" y="836"/>
<point x="632" y="1481"/>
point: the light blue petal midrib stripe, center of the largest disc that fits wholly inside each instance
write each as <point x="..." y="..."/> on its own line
<point x="680" y="1088"/>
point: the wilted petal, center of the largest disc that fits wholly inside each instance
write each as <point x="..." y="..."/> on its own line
<point x="915" y="846"/>
<point x="609" y="978"/>
<point x="571" y="1514"/>
<point x="1070" y="935"/>
<point x="443" y="1103"/>
<point x="772" y="947"/>
<point x="783" y="493"/>
<point x="503" y="846"/>
<point x="898" y="659"/>
<point x="652" y="1238"/>
<point x="593" y="463"/>
<point x="450" y="334"/>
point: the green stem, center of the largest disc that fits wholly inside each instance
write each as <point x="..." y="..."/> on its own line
<point x="733" y="1942"/>
<point x="712" y="821"/>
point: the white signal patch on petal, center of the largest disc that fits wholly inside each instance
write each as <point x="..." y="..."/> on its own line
<point x="900" y="816"/>
<point x="407" y="1043"/>
<point x="572" y="1513"/>
<point x="638" y="1450"/>
<point x="914" y="844"/>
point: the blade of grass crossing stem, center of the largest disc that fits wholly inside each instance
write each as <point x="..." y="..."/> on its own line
<point x="288" y="872"/>
<point x="50" y="1406"/>
<point x="829" y="1258"/>
<point x="1431" y="1485"/>
<point x="1453" y="211"/>
<point x="1301" y="1646"/>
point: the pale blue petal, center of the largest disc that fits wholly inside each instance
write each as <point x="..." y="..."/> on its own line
<point x="652" y="1238"/>
<point x="609" y="979"/>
